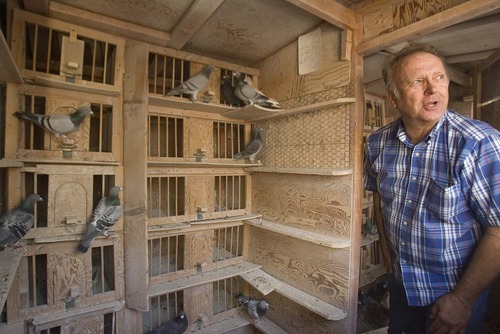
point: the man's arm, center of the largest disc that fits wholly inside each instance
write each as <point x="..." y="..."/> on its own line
<point x="451" y="312"/>
<point x="379" y="222"/>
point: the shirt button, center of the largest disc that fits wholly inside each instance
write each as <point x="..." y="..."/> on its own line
<point x="417" y="154"/>
<point x="405" y="223"/>
<point x="403" y="243"/>
<point x="410" y="201"/>
<point x="414" y="178"/>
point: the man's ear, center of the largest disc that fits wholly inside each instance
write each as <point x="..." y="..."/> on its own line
<point x="391" y="98"/>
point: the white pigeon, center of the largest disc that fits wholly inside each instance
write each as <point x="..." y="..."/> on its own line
<point x="250" y="95"/>
<point x="60" y="125"/>
<point x="106" y="214"/>
<point x="194" y="84"/>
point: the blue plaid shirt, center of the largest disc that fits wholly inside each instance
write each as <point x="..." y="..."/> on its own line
<point x="437" y="196"/>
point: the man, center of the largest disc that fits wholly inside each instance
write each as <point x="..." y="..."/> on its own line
<point x="436" y="175"/>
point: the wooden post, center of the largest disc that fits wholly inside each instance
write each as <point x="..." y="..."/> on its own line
<point x="135" y="109"/>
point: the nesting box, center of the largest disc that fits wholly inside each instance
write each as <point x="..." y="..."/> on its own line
<point x="198" y="225"/>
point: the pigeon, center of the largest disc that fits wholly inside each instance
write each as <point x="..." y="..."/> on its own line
<point x="369" y="228"/>
<point x="194" y="84"/>
<point x="177" y="325"/>
<point x="250" y="95"/>
<point x="106" y="214"/>
<point x="253" y="148"/>
<point x="228" y="92"/>
<point x="15" y="223"/>
<point x="60" y="125"/>
<point x="256" y="308"/>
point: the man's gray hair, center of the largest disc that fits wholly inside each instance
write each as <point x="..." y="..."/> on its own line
<point x="393" y="62"/>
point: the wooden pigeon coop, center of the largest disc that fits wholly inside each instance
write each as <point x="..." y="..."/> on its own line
<point x="198" y="226"/>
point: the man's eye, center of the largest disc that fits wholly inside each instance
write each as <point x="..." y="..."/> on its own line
<point x="440" y="76"/>
<point x="416" y="82"/>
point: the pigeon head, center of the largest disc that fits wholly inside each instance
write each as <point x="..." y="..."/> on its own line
<point x="28" y="204"/>
<point x="80" y="114"/>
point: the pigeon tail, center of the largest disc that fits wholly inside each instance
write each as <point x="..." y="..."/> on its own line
<point x="86" y="241"/>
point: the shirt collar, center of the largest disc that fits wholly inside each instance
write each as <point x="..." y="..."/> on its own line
<point x="401" y="133"/>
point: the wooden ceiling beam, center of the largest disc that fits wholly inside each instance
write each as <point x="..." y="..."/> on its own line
<point x="492" y="59"/>
<point x="458" y="76"/>
<point x="104" y="23"/>
<point x="330" y="11"/>
<point x="454" y="15"/>
<point x="40" y="7"/>
<point x="195" y="17"/>
<point x="466" y="57"/>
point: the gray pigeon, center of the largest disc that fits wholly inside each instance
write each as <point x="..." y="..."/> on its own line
<point x="106" y="214"/>
<point x="60" y="125"/>
<point x="177" y="325"/>
<point x="253" y="148"/>
<point x="250" y="95"/>
<point x="228" y="92"/>
<point x="256" y="308"/>
<point x="15" y="223"/>
<point x="194" y="84"/>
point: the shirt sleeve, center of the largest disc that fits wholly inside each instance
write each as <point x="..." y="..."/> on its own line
<point x="369" y="175"/>
<point x="485" y="181"/>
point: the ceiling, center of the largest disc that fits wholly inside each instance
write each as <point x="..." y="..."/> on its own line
<point x="247" y="31"/>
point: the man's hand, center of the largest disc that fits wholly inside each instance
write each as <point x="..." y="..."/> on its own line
<point x="450" y="314"/>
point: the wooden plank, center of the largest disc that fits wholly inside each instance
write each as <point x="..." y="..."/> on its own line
<point x="89" y="87"/>
<point x="492" y="59"/>
<point x="109" y="24"/>
<point x="330" y="11"/>
<point x="302" y="171"/>
<point x="316" y="238"/>
<point x="196" y="16"/>
<point x="75" y="313"/>
<point x="225" y="326"/>
<point x="225" y="219"/>
<point x="9" y="163"/>
<point x="261" y="281"/>
<point x="135" y="100"/>
<point x="9" y="261"/>
<point x="251" y="112"/>
<point x="457" y="14"/>
<point x="312" y="303"/>
<point x="187" y="104"/>
<point x="458" y="76"/>
<point x="8" y="67"/>
<point x="268" y="327"/>
<point x="202" y="278"/>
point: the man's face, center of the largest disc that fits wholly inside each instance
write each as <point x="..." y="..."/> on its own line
<point x="423" y="90"/>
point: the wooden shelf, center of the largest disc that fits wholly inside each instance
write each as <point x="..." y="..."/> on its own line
<point x="266" y="283"/>
<point x="81" y="86"/>
<point x="187" y="104"/>
<point x="69" y="162"/>
<point x="202" y="163"/>
<point x="307" y="108"/>
<point x="320" y="239"/>
<point x="248" y="113"/>
<point x="228" y="325"/>
<point x="201" y="278"/>
<point x="365" y="240"/>
<point x="8" y="163"/>
<point x="74" y="313"/>
<point x="225" y="219"/>
<point x="9" y="261"/>
<point x="252" y="112"/>
<point x="8" y="68"/>
<point x="303" y="171"/>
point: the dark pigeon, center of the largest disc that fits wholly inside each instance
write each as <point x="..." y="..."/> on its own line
<point x="256" y="308"/>
<point x="253" y="148"/>
<point x="177" y="325"/>
<point x="15" y="223"/>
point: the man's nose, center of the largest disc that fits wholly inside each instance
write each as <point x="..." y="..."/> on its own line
<point x="430" y="87"/>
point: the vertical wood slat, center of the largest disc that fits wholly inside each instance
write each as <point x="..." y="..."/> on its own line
<point x="106" y="48"/>
<point x="92" y="76"/>
<point x="35" y="48"/>
<point x="164" y="82"/>
<point x="49" y="47"/>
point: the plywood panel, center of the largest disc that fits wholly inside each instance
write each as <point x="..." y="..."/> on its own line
<point x="312" y="203"/>
<point x="279" y="72"/>
<point x="198" y="134"/>
<point x="313" y="269"/>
